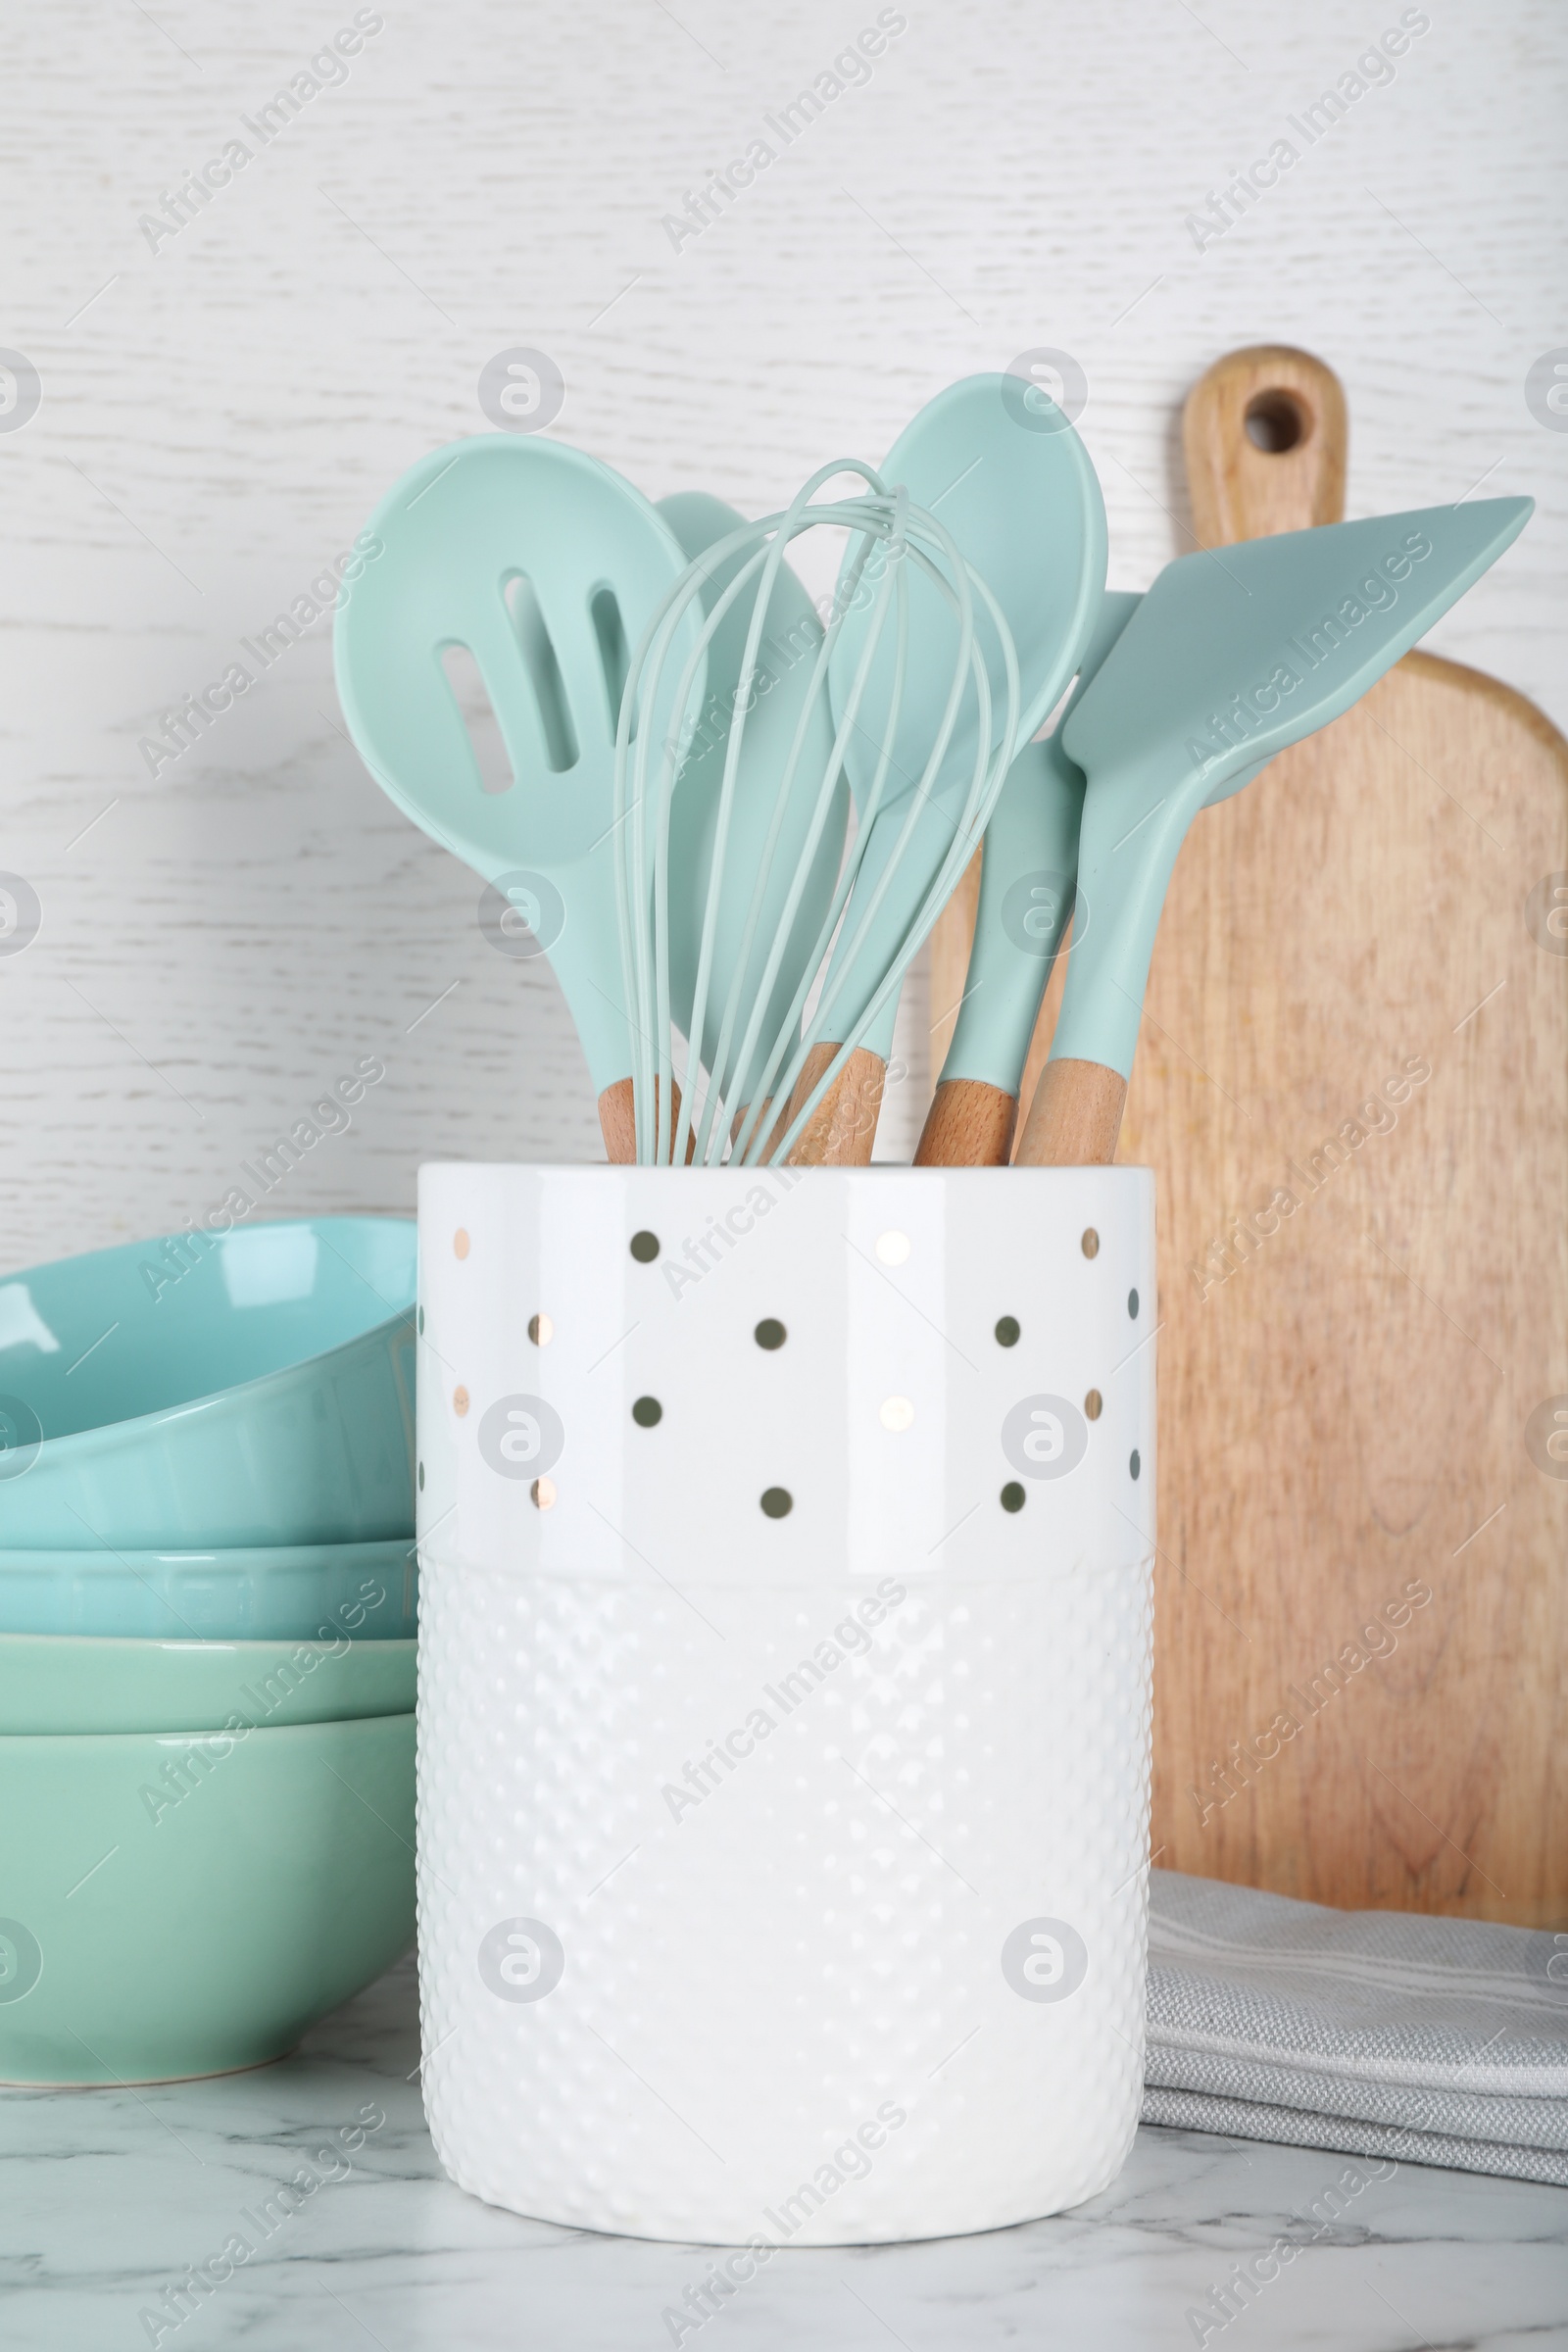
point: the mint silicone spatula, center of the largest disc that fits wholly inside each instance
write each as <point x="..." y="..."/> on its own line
<point x="1019" y="925"/>
<point x="1027" y="877"/>
<point x="774" y="828"/>
<point x="1233" y="654"/>
<point x="1014" y="485"/>
<point x="480" y="663"/>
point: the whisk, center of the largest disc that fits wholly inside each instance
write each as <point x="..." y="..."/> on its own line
<point x="742" y="1101"/>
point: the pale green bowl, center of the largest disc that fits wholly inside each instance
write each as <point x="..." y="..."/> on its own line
<point x="181" y="1903"/>
<point x="54" y="1682"/>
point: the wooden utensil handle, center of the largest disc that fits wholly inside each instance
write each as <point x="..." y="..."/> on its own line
<point x="1075" y="1117"/>
<point x="617" y="1120"/>
<point x="842" y="1129"/>
<point x="1265" y="434"/>
<point x="970" y="1125"/>
<point x="758" y="1126"/>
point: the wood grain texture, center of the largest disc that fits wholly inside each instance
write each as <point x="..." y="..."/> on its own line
<point x="949" y="950"/>
<point x="1359" y="1319"/>
<point x="970" y="1125"/>
<point x="1363" y="1299"/>
<point x="1074" y="1117"/>
<point x="617" y="1120"/>
<point x="842" y="1130"/>
<point x="1244" y="487"/>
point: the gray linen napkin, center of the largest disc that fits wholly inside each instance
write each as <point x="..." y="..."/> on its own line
<point x="1377" y="2032"/>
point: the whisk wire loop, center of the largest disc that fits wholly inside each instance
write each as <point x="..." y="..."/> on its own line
<point x="731" y="1085"/>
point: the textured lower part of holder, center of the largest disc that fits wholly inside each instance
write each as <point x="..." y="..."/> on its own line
<point x="804" y="1916"/>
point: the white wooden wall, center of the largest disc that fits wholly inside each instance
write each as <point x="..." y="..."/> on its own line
<point x="220" y="944"/>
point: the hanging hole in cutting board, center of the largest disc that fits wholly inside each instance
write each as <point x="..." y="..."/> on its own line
<point x="1277" y="422"/>
<point x="477" y="714"/>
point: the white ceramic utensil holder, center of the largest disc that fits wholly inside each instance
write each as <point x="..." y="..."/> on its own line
<point x="784" y="1692"/>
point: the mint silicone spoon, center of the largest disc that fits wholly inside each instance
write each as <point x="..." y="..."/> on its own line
<point x="1027" y="876"/>
<point x="766" y="844"/>
<point x="1001" y="467"/>
<point x="480" y="663"/>
<point x="1232" y="655"/>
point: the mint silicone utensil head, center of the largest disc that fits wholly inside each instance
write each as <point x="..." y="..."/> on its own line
<point x="1232" y="655"/>
<point x="1015" y="489"/>
<point x="481" y="659"/>
<point x="1024" y="505"/>
<point x="1027" y="882"/>
<point x="772" y="835"/>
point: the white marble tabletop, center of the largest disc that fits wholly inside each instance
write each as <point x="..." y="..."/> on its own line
<point x="109" y="2197"/>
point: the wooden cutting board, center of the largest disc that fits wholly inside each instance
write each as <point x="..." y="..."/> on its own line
<point x="1352" y="1083"/>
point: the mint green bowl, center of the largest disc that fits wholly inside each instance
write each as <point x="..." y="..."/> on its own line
<point x="254" y="1387"/>
<point x="181" y="1903"/>
<point x="53" y="1682"/>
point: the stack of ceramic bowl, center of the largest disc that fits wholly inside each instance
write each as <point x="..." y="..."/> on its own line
<point x="207" y="1620"/>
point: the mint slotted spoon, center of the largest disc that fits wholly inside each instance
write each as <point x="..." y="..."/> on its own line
<point x="542" y="567"/>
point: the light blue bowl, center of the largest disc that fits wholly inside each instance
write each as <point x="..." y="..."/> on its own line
<point x="249" y="1388"/>
<point x="303" y="1592"/>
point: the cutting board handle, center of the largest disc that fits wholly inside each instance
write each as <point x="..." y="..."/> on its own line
<point x="1265" y="433"/>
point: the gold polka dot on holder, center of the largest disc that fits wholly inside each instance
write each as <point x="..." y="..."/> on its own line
<point x="460" y="1243"/>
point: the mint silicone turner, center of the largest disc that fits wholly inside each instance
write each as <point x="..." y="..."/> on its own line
<point x="1233" y="654"/>
<point x="480" y="663"/>
<point x="1028" y="874"/>
<point x="1019" y="925"/>
<point x="767" y="843"/>
<point x="1015" y="489"/>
